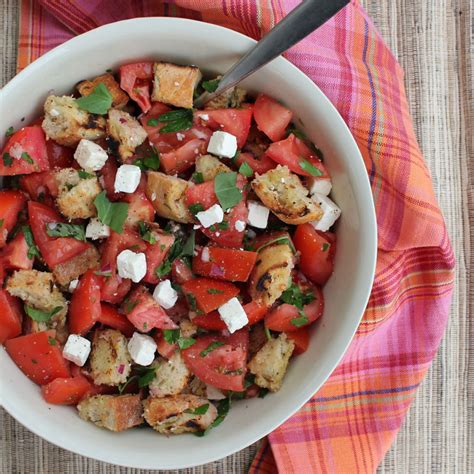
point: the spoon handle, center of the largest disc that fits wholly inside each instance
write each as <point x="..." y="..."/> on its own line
<point x="298" y="24"/>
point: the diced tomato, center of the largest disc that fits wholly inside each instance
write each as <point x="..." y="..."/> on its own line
<point x="66" y="391"/>
<point x="180" y="272"/>
<point x="40" y="187"/>
<point x="144" y="312"/>
<point x="163" y="348"/>
<point x="11" y="316"/>
<point x="213" y="322"/>
<point x="139" y="208"/>
<point x="301" y="339"/>
<point x="271" y="117"/>
<point x="38" y="356"/>
<point x="267" y="238"/>
<point x="292" y="152"/>
<point x="11" y="203"/>
<point x="109" y="316"/>
<point x="280" y="318"/>
<point x="224" y="264"/>
<point x="135" y="79"/>
<point x="234" y="121"/>
<point x="108" y="172"/>
<point x="206" y="295"/>
<point x="179" y="160"/>
<point x="223" y="367"/>
<point x="25" y="152"/>
<point x="156" y="253"/>
<point x="53" y="250"/>
<point x="15" y="255"/>
<point x="59" y="156"/>
<point x="260" y="164"/>
<point x="317" y="251"/>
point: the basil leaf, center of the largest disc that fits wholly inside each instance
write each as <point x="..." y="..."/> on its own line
<point x="121" y="387"/>
<point x="197" y="177"/>
<point x="98" y="101"/>
<point x="176" y="120"/>
<point x="26" y="157"/>
<point x="263" y="392"/>
<point x="85" y="175"/>
<point x="112" y="214"/>
<point x="305" y="165"/>
<point x="293" y="295"/>
<point x="146" y="376"/>
<point x="214" y="291"/>
<point x="246" y="170"/>
<point x="10" y="131"/>
<point x="52" y="341"/>
<point x="195" y="208"/>
<point x="301" y="321"/>
<point x="30" y="241"/>
<point x="152" y="122"/>
<point x="164" y="268"/>
<point x="7" y="159"/>
<point x="150" y="162"/>
<point x="325" y="246"/>
<point x="222" y="410"/>
<point x="227" y="192"/>
<point x="212" y="346"/>
<point x="178" y="249"/>
<point x="185" y="342"/>
<point x="224" y="225"/>
<point x="201" y="410"/>
<point x="145" y="233"/>
<point x="188" y="247"/>
<point x="41" y="316"/>
<point x="171" y="336"/>
<point x="283" y="239"/>
<point x="60" y="229"/>
<point x="211" y="85"/>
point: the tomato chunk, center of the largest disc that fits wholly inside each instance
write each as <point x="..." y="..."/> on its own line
<point x="135" y="79"/>
<point x="40" y="187"/>
<point x="182" y="158"/>
<point x="108" y="172"/>
<point x="66" y="391"/>
<point x="139" y="208"/>
<point x="109" y="316"/>
<point x="11" y="203"/>
<point x="260" y="164"/>
<point x="38" y="356"/>
<point x="206" y="295"/>
<point x="59" y="156"/>
<point x="180" y="272"/>
<point x="301" y="339"/>
<point x="224" y="263"/>
<point x="11" y="316"/>
<point x="164" y="348"/>
<point x="156" y="253"/>
<point x="15" y="255"/>
<point x="224" y="366"/>
<point x="25" y="152"/>
<point x="271" y="117"/>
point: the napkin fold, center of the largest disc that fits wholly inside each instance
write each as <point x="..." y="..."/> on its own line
<point x="350" y="423"/>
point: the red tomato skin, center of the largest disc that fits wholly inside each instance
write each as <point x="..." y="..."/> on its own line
<point x="109" y="316"/>
<point x="155" y="254"/>
<point x="139" y="209"/>
<point x="59" y="156"/>
<point x="180" y="272"/>
<point x="15" y="255"/>
<point x="11" y="316"/>
<point x="65" y="391"/>
<point x="135" y="79"/>
<point x="40" y="361"/>
<point x="271" y="117"/>
<point x="29" y="140"/>
<point x="316" y="263"/>
<point x="11" y="203"/>
<point x="225" y="264"/>
<point x="107" y="178"/>
<point x="205" y="301"/>
<point x="301" y="339"/>
<point x="163" y="348"/>
<point x="260" y="165"/>
<point x="182" y="158"/>
<point x="41" y="187"/>
<point x="85" y="309"/>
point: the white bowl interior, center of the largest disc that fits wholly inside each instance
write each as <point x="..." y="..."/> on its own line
<point x="213" y="49"/>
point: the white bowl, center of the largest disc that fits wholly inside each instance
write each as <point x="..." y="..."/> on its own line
<point x="213" y="49"/>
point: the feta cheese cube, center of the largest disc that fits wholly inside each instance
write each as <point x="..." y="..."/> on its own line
<point x="211" y="216"/>
<point x="165" y="295"/>
<point x="319" y="186"/>
<point x="222" y="144"/>
<point x="205" y="257"/>
<point x="131" y="265"/>
<point x="142" y="349"/>
<point x="73" y="285"/>
<point x="258" y="214"/>
<point x="97" y="230"/>
<point x="330" y="210"/>
<point x="77" y="349"/>
<point x="127" y="179"/>
<point x="213" y="393"/>
<point x="239" y="226"/>
<point x="90" y="156"/>
<point x="233" y="315"/>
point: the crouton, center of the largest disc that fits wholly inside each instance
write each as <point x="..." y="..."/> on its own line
<point x="174" y="85"/>
<point x="210" y="166"/>
<point x="271" y="361"/>
<point x="73" y="268"/>
<point x="174" y="415"/>
<point x="232" y="97"/>
<point x="119" y="97"/>
<point x="196" y="387"/>
<point x="125" y="132"/>
<point x="112" y="412"/>
<point x="284" y="194"/>
<point x="76" y="195"/>
<point x="188" y="328"/>
<point x="171" y="376"/>
<point x="110" y="361"/>
<point x="67" y="124"/>
<point x="167" y="194"/>
<point x="271" y="275"/>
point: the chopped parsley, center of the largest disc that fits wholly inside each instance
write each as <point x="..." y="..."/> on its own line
<point x="153" y="122"/>
<point x="60" y="229"/>
<point x="145" y="233"/>
<point x="149" y="162"/>
<point x="85" y="175"/>
<point x="224" y="225"/>
<point x="30" y="241"/>
<point x="176" y="120"/>
<point x="7" y="159"/>
<point x="98" y="101"/>
<point x="173" y="336"/>
<point x="26" y="157"/>
<point x="1" y="222"/>
<point x="180" y="248"/>
<point x="197" y="177"/>
<point x="52" y="341"/>
<point x="112" y="214"/>
<point x="201" y="410"/>
<point x="10" y="131"/>
<point x="212" y="346"/>
<point x="195" y="208"/>
<point x="214" y="291"/>
<point x="227" y="192"/>
<point x="41" y="316"/>
<point x="294" y="296"/>
<point x="246" y="170"/>
<point x="325" y="246"/>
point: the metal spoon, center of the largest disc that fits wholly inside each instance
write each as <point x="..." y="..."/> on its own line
<point x="298" y="24"/>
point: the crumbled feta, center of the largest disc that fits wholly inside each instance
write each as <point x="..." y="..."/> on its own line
<point x="205" y="117"/>
<point x="97" y="230"/>
<point x="77" y="349"/>
<point x="131" y="265"/>
<point x="239" y="226"/>
<point x="319" y="186"/>
<point x="165" y="295"/>
<point x="142" y="349"/>
<point x="222" y="144"/>
<point x="73" y="285"/>
<point x="196" y="226"/>
<point x="180" y="137"/>
<point x="331" y="213"/>
<point x="127" y="179"/>
<point x="211" y="216"/>
<point x="205" y="257"/>
<point x="258" y="214"/>
<point x="16" y="151"/>
<point x="233" y="315"/>
<point x="213" y="393"/>
<point x="90" y="156"/>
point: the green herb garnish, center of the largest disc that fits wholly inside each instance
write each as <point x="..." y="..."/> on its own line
<point x="60" y="229"/>
<point x="246" y="170"/>
<point x="195" y="208"/>
<point x="150" y="162"/>
<point x="41" y="316"/>
<point x="325" y="247"/>
<point x="300" y="321"/>
<point x="112" y="214"/>
<point x="267" y="333"/>
<point x="227" y="192"/>
<point x="222" y="410"/>
<point x="197" y="177"/>
<point x="98" y="101"/>
<point x="1" y="222"/>
<point x="201" y="410"/>
<point x="85" y="175"/>
<point x="152" y="122"/>
<point x="173" y="336"/>
<point x="305" y="165"/>
<point x="211" y="85"/>
<point x="212" y="346"/>
<point x="52" y="341"/>
<point x="283" y="239"/>
<point x="30" y="241"/>
<point x="180" y="248"/>
<point x="10" y="131"/>
<point x="26" y="157"/>
<point x="7" y="159"/>
<point x="263" y="392"/>
<point x="214" y="291"/>
<point x="176" y="120"/>
<point x="294" y="296"/>
<point x="145" y="232"/>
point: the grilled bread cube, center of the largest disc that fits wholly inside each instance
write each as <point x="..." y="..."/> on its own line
<point x="171" y="376"/>
<point x="125" y="132"/>
<point x="119" y="97"/>
<point x="257" y="338"/>
<point x="210" y="166"/>
<point x="284" y="194"/>
<point x="67" y="124"/>
<point x="269" y="364"/>
<point x="196" y="387"/>
<point x="112" y="412"/>
<point x="232" y="97"/>
<point x="271" y="275"/>
<point x="188" y="328"/>
<point x="168" y="415"/>
<point x="167" y="194"/>
<point x="76" y="195"/>
<point x="73" y="268"/>
<point x="174" y="85"/>
<point x="110" y="361"/>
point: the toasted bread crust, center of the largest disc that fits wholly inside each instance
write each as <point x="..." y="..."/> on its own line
<point x="119" y="97"/>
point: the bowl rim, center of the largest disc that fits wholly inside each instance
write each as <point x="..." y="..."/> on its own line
<point x="371" y="233"/>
